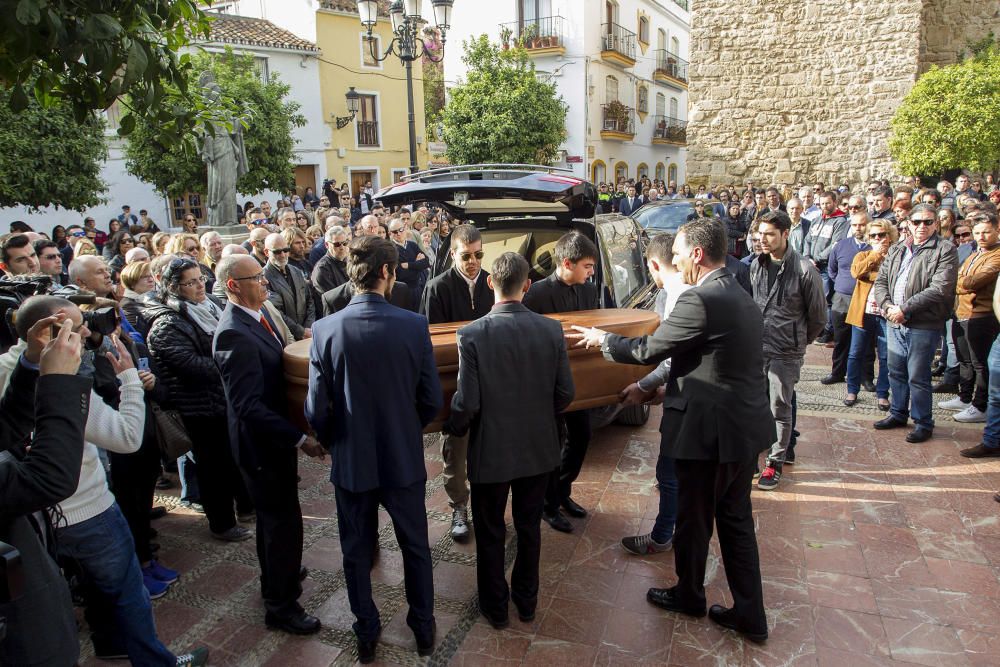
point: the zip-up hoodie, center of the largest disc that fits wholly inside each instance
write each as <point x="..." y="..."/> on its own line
<point x="794" y="308"/>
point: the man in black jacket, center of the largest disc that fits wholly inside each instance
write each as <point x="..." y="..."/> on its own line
<point x="514" y="443"/>
<point x="568" y="289"/>
<point x="716" y="421"/>
<point x="460" y="294"/>
<point x="331" y="269"/>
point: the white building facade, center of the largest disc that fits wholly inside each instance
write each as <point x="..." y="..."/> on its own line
<point x="619" y="65"/>
<point x="292" y="58"/>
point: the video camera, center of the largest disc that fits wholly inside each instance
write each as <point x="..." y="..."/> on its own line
<point x="15" y="290"/>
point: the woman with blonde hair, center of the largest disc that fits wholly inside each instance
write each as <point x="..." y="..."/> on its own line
<point x="865" y="316"/>
<point x="313" y="233"/>
<point x="158" y="243"/>
<point x="137" y="279"/>
<point x="84" y="246"/>
<point x="188" y="245"/>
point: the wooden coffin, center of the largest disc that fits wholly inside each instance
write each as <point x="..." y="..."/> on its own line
<point x="598" y="381"/>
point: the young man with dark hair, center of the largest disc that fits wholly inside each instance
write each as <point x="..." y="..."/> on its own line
<point x="17" y="255"/>
<point x="568" y="289"/>
<point x="50" y="261"/>
<point x="514" y="438"/>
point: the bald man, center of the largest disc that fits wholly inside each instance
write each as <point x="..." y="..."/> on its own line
<point x="255" y="244"/>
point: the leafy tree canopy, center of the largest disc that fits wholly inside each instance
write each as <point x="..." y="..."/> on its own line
<point x="502" y="113"/>
<point x="268" y="119"/>
<point x="951" y="117"/>
<point x="48" y="158"/>
<point x="88" y="53"/>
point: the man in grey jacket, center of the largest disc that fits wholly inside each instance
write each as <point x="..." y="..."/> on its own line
<point x="789" y="292"/>
<point x="915" y="289"/>
<point x="831" y="227"/>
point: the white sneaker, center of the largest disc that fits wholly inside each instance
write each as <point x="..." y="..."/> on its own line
<point x="956" y="404"/>
<point x="971" y="415"/>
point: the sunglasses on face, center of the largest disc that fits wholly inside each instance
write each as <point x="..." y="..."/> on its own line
<point x="280" y="251"/>
<point x="922" y="222"/>
<point x="964" y="235"/>
<point x="853" y="208"/>
<point x="878" y="235"/>
<point x="395" y="231"/>
<point x="339" y="244"/>
<point x="466" y="256"/>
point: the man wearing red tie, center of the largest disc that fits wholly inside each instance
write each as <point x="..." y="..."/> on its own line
<point x="265" y="443"/>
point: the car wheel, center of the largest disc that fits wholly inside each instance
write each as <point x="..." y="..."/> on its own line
<point x="633" y="415"/>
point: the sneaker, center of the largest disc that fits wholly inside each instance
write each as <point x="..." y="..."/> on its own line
<point x="970" y="415"/>
<point x="193" y="506"/>
<point x="234" y="534"/>
<point x="644" y="545"/>
<point x="160" y="573"/>
<point x="769" y="479"/>
<point x="196" y="658"/>
<point x="459" y="523"/>
<point x="155" y="587"/>
<point x="956" y="404"/>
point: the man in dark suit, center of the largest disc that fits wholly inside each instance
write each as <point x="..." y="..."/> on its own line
<point x="716" y="421"/>
<point x="373" y="387"/>
<point x="568" y="289"/>
<point x="330" y="270"/>
<point x="290" y="292"/>
<point x="514" y="440"/>
<point x="265" y="443"/>
<point x="460" y="294"/>
<point x="339" y="297"/>
<point x="630" y="202"/>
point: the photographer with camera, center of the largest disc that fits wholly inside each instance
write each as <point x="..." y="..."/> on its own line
<point x="41" y="628"/>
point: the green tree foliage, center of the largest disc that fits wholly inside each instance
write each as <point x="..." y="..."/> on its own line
<point x="48" y="158"/>
<point x="88" y="53"/>
<point x="502" y="113"/>
<point x="951" y="118"/>
<point x="268" y="120"/>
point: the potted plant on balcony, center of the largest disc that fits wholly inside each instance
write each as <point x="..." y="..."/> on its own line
<point x="619" y="113"/>
<point x="529" y="38"/>
<point x="505" y="35"/>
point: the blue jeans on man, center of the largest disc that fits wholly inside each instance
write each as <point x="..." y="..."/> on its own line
<point x="666" y="517"/>
<point x="118" y="610"/>
<point x="911" y="352"/>
<point x="828" y="294"/>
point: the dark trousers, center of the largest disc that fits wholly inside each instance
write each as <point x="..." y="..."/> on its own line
<point x="574" y="450"/>
<point x="841" y="343"/>
<point x="980" y="332"/>
<point x="357" y="516"/>
<point x="219" y="481"/>
<point x="489" y="503"/>
<point x="133" y="480"/>
<point x="275" y="494"/>
<point x="707" y="491"/>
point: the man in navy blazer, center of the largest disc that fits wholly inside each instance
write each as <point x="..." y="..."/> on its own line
<point x="373" y="387"/>
<point x="630" y="202"/>
<point x="265" y="443"/>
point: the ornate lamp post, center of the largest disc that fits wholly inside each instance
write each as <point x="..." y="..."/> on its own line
<point x="406" y="44"/>
<point x="352" y="106"/>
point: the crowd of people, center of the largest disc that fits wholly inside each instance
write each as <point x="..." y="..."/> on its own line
<point x="182" y="331"/>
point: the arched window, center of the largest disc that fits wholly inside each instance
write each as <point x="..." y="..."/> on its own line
<point x="660" y="171"/>
<point x="661" y="39"/>
<point x="599" y="171"/>
<point x="661" y="104"/>
<point x="673" y="108"/>
<point x="642" y="171"/>
<point x="610" y="89"/>
<point x="675" y="46"/>
<point x="621" y="171"/>
<point x="644" y="29"/>
<point x="643" y="104"/>
<point x="672" y="174"/>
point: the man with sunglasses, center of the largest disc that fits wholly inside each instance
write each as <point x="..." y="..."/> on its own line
<point x="412" y="262"/>
<point x="459" y="294"/>
<point x="290" y="291"/>
<point x="331" y="270"/>
<point x="915" y="289"/>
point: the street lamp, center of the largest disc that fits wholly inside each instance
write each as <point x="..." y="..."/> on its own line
<point x="352" y="106"/>
<point x="406" y="44"/>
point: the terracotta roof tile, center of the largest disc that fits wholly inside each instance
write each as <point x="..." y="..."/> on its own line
<point x="245" y="30"/>
<point x="352" y="6"/>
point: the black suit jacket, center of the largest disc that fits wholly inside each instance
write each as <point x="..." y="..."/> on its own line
<point x="291" y="294"/>
<point x="511" y="421"/>
<point x="328" y="273"/>
<point x="446" y="298"/>
<point x="250" y="361"/>
<point x="338" y="298"/>
<point x="741" y="272"/>
<point x="554" y="296"/>
<point x="716" y="406"/>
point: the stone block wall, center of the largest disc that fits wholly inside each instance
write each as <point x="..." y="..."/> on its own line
<point x="789" y="90"/>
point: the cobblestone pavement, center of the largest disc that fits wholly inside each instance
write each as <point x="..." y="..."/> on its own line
<point x="874" y="552"/>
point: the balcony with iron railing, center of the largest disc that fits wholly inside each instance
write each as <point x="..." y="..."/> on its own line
<point x="368" y="133"/>
<point x="540" y="36"/>
<point x="669" y="130"/>
<point x="617" y="44"/>
<point x="617" y="121"/>
<point x="671" y="69"/>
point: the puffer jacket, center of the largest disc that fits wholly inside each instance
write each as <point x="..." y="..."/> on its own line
<point x="977" y="279"/>
<point x="929" y="295"/>
<point x="794" y="308"/>
<point x="184" y="354"/>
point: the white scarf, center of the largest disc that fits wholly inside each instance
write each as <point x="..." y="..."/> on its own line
<point x="205" y="314"/>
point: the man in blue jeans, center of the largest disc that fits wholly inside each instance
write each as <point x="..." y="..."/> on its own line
<point x="915" y="289"/>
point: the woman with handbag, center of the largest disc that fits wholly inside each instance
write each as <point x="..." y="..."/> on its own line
<point x="181" y="327"/>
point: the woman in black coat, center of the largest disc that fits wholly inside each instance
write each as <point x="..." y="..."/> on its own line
<point x="181" y="327"/>
<point x="120" y="244"/>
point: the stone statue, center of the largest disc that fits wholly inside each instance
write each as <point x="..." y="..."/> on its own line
<point x="226" y="159"/>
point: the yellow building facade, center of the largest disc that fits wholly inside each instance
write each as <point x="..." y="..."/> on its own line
<point x="375" y="144"/>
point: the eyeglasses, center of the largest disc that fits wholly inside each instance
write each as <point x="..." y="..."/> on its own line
<point x="395" y="231"/>
<point x="258" y="277"/>
<point x="280" y="251"/>
<point x="339" y="244"/>
<point x="878" y="235"/>
<point x="923" y="221"/>
<point x="853" y="208"/>
<point x="964" y="235"/>
<point x="466" y="256"/>
<point x="200" y="280"/>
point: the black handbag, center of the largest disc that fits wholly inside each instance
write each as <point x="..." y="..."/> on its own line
<point x="171" y="434"/>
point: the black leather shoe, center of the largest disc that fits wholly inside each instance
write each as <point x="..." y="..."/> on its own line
<point x="524" y="615"/>
<point x="664" y="598"/>
<point x="296" y="624"/>
<point x="157" y="512"/>
<point x="919" y="435"/>
<point x="726" y="619"/>
<point x="366" y="649"/>
<point x="573" y="508"/>
<point x="868" y="386"/>
<point x="303" y="573"/>
<point x="945" y="388"/>
<point x="425" y="645"/>
<point x="830" y="379"/>
<point x="888" y="422"/>
<point x="850" y="401"/>
<point x="498" y="623"/>
<point x="558" y="521"/>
